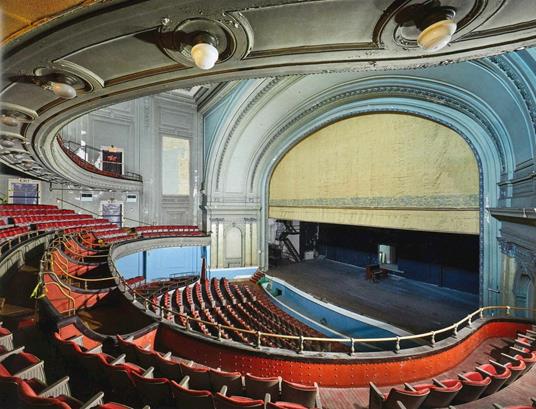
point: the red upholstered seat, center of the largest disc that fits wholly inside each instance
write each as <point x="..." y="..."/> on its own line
<point x="237" y="402"/>
<point x="305" y="395"/>
<point x="476" y="378"/>
<point x="16" y="363"/>
<point x="285" y="405"/>
<point x="4" y="331"/>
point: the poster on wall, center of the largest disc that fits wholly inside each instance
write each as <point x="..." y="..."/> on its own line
<point x="113" y="211"/>
<point x="112" y="160"/>
<point x="23" y="191"/>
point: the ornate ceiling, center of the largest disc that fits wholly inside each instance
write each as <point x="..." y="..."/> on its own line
<point x="119" y="49"/>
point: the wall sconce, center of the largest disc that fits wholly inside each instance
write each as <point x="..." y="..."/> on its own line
<point x="437" y="27"/>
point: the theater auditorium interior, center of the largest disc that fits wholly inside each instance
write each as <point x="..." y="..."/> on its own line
<point x="277" y="204"/>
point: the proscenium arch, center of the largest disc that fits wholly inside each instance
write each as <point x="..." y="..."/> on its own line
<point x="471" y="131"/>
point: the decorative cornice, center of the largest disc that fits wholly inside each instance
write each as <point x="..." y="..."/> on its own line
<point x="253" y="103"/>
<point x="520" y="84"/>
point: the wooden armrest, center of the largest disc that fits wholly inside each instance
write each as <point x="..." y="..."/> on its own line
<point x="223" y="390"/>
<point x="400" y="405"/>
<point x="184" y="381"/>
<point x="520" y="334"/>
<point x="60" y="387"/>
<point x="463" y="377"/>
<point x="374" y="390"/>
<point x="497" y="364"/>
<point x="190" y="363"/>
<point x="94" y="401"/>
<point x="36" y="370"/>
<point x="129" y="339"/>
<point x="167" y="355"/>
<point x="119" y="360"/>
<point x="520" y="352"/>
<point x="409" y="387"/>
<point x="97" y="349"/>
<point x="531" y="332"/>
<point x="267" y="398"/>
<point x="147" y="347"/>
<point x="509" y="357"/>
<point x="149" y="372"/>
<point x="318" y="402"/>
<point x="437" y="382"/>
<point x="12" y="352"/>
<point x="497" y="406"/>
<point x="79" y="339"/>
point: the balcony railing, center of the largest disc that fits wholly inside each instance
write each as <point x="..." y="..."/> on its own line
<point x="88" y="158"/>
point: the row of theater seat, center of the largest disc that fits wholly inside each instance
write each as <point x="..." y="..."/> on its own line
<point x="23" y="382"/>
<point x="484" y="381"/>
<point x="182" y="384"/>
<point x="220" y="302"/>
<point x="11" y="232"/>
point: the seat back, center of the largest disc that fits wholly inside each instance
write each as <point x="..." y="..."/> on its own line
<point x="257" y="387"/>
<point x="472" y="390"/>
<point x="441" y="397"/>
<point x="236" y="402"/>
<point x="187" y="398"/>
<point x="199" y="377"/>
<point x="302" y="394"/>
<point x="233" y="381"/>
<point x="147" y="358"/>
<point x="155" y="392"/>
<point x="169" y="369"/>
<point x="129" y="349"/>
<point x="410" y="399"/>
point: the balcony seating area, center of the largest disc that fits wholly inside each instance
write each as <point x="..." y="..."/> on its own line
<point x="92" y="168"/>
<point x="23" y="384"/>
<point x="485" y="380"/>
<point x="137" y="374"/>
<point x="219" y="301"/>
<point x="18" y="220"/>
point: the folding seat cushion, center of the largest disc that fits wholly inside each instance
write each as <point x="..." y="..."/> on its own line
<point x="305" y="395"/>
<point x="191" y="398"/>
<point x="257" y="387"/>
<point x="199" y="377"/>
<point x="30" y="400"/>
<point x="236" y="402"/>
<point x="498" y="377"/>
<point x="474" y="386"/>
<point x="17" y="362"/>
<point x="232" y="380"/>
<point x="516" y="368"/>
<point x="411" y="399"/>
<point x="155" y="392"/>
<point x="441" y="393"/>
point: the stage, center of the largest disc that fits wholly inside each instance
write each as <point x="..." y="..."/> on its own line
<point x="411" y="305"/>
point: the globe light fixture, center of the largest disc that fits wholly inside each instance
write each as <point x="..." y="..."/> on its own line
<point x="60" y="89"/>
<point x="204" y="51"/>
<point x="9" y="120"/>
<point x="437" y="28"/>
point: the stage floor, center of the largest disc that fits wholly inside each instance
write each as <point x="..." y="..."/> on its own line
<point x="410" y="305"/>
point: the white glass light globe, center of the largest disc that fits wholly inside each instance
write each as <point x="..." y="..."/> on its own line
<point x="62" y="90"/>
<point x="437" y="35"/>
<point x="8" y="120"/>
<point x="204" y="55"/>
<point x="7" y="143"/>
